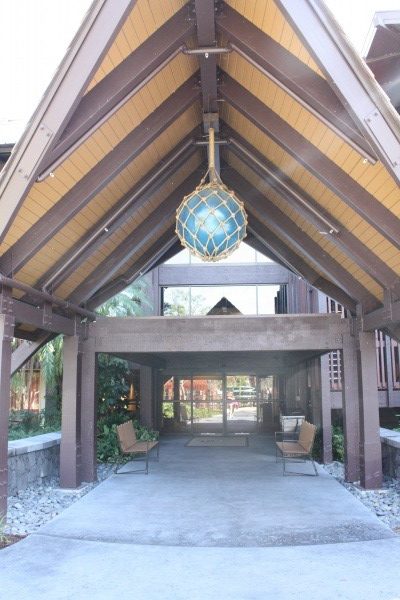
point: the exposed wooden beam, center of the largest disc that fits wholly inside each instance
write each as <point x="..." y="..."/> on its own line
<point x="295" y="263"/>
<point x="291" y="74"/>
<point x="205" y="24"/>
<point x="85" y="54"/>
<point x="98" y="177"/>
<point x="303" y="151"/>
<point x="125" y="80"/>
<point x="350" y="79"/>
<point x="314" y="213"/>
<point x="256" y="244"/>
<point x="206" y="37"/>
<point x="286" y="228"/>
<point x="27" y="349"/>
<point x="124" y="209"/>
<point x="149" y="229"/>
<point x="38" y="317"/>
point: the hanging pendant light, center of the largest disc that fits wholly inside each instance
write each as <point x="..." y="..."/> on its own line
<point x="211" y="221"/>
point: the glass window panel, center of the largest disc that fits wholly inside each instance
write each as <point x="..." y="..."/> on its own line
<point x="261" y="258"/>
<point x="182" y="258"/>
<point x="176" y="301"/>
<point x="266" y="299"/>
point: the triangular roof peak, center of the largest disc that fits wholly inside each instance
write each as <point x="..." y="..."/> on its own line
<point x="307" y="138"/>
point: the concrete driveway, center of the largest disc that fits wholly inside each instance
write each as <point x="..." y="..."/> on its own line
<point x="209" y="523"/>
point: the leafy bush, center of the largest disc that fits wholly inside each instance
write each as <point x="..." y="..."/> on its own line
<point x="26" y="423"/>
<point x="337" y="443"/>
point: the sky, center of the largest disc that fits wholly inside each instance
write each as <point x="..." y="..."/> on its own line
<point x="36" y="34"/>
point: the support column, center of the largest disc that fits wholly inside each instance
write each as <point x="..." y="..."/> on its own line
<point x="70" y="450"/>
<point x="350" y="395"/>
<point x="146" y="396"/>
<point x="89" y="410"/>
<point x="370" y="443"/>
<point x="326" y="411"/>
<point x="6" y="335"/>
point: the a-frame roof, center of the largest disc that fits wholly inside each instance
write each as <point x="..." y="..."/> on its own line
<point x="308" y="140"/>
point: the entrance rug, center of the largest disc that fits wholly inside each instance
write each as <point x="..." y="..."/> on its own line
<point x="215" y="441"/>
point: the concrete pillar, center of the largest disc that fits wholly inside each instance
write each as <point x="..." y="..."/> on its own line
<point x="146" y="396"/>
<point x="88" y="411"/>
<point x="70" y="450"/>
<point x="350" y="407"/>
<point x="6" y="335"/>
<point x="326" y="410"/>
<point x="370" y="444"/>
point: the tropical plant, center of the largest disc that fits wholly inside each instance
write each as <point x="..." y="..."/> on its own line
<point x="132" y="301"/>
<point x="337" y="443"/>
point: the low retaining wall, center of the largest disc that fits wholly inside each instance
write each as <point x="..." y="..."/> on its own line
<point x="390" y="441"/>
<point x="33" y="460"/>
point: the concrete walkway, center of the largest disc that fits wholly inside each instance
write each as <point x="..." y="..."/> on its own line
<point x="218" y="523"/>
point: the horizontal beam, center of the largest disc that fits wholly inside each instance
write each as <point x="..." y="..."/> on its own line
<point x="118" y="214"/>
<point x="349" y="78"/>
<point x="261" y="274"/>
<point x="292" y="75"/>
<point x="303" y="151"/>
<point x="125" y="80"/>
<point x="295" y="263"/>
<point x="287" y="228"/>
<point x="69" y="83"/>
<point x="27" y="314"/>
<point x="314" y="213"/>
<point x="214" y="333"/>
<point x="97" y="178"/>
<point x="149" y="229"/>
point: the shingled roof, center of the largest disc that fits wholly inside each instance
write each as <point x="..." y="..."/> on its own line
<point x="308" y="140"/>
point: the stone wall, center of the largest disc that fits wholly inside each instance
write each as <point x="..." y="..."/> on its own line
<point x="33" y="461"/>
<point x="390" y="441"/>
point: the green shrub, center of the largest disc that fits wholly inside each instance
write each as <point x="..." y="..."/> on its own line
<point x="27" y="423"/>
<point x="337" y="443"/>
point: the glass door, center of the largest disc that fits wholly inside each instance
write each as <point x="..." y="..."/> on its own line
<point x="208" y="405"/>
<point x="242" y="412"/>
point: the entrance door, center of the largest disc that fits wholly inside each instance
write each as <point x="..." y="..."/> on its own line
<point x="208" y="405"/>
<point x="242" y="404"/>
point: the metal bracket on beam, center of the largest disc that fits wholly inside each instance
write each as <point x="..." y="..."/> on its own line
<point x="6" y="301"/>
<point x="47" y="315"/>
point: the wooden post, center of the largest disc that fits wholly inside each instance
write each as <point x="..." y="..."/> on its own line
<point x="70" y="450"/>
<point x="146" y="396"/>
<point x="351" y="426"/>
<point x="370" y="443"/>
<point x="326" y="411"/>
<point x="6" y="335"/>
<point x="89" y="411"/>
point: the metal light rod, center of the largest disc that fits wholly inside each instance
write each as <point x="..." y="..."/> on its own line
<point x="207" y="50"/>
<point x="324" y="220"/>
<point x="19" y="285"/>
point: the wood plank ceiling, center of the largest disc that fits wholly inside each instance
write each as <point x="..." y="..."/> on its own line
<point x="85" y="212"/>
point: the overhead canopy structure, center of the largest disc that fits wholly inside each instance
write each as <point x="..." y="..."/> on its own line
<point x="307" y="139"/>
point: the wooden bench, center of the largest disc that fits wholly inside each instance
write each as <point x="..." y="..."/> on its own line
<point x="130" y="445"/>
<point x="296" y="450"/>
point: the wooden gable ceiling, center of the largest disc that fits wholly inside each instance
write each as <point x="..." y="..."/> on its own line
<point x="311" y="145"/>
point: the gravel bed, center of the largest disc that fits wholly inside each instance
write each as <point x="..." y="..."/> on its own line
<point x="36" y="505"/>
<point x="385" y="502"/>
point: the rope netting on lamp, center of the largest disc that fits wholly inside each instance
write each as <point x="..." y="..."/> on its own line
<point x="211" y="221"/>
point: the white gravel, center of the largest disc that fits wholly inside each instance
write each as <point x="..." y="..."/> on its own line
<point x="36" y="505"/>
<point x="385" y="502"/>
